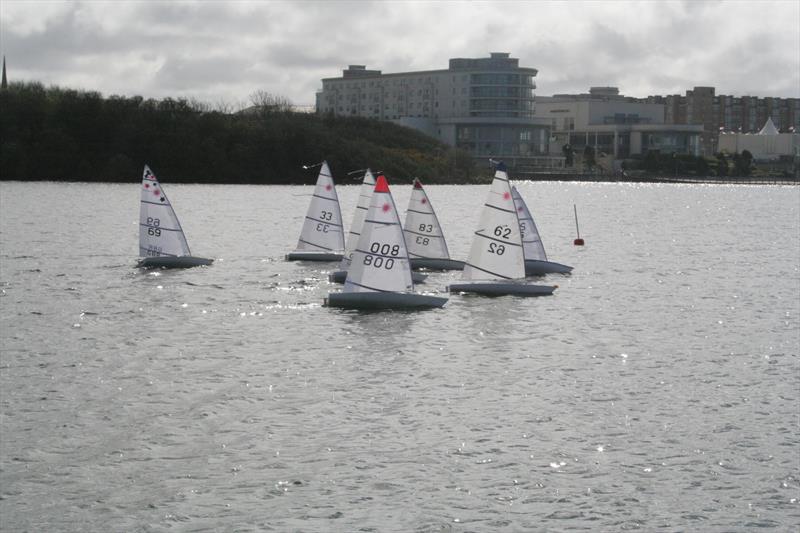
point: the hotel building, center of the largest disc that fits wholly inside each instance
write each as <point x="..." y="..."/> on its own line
<point x="482" y="105"/>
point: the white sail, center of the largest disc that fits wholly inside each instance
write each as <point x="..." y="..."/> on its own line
<point x="364" y="196"/>
<point x="496" y="251"/>
<point x="423" y="233"/>
<point x="322" y="229"/>
<point x="160" y="233"/>
<point x="380" y="261"/>
<point x="531" y="241"/>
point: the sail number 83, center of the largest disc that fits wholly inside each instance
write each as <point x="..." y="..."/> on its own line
<point x="379" y="261"/>
<point x="426" y="228"/>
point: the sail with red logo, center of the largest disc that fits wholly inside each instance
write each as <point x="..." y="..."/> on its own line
<point x="427" y="246"/>
<point x="162" y="243"/>
<point x="496" y="262"/>
<point x="322" y="235"/>
<point x="379" y="276"/>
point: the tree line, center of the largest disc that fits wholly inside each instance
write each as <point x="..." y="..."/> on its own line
<point x="53" y="133"/>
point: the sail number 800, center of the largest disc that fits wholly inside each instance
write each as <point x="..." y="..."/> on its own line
<point x="381" y="250"/>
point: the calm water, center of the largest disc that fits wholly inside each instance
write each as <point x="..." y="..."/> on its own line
<point x="658" y="389"/>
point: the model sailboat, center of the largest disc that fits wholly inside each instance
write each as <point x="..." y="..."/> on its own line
<point x="427" y="247"/>
<point x="362" y="206"/>
<point x="536" y="262"/>
<point x="162" y="243"/>
<point x="379" y="276"/>
<point x="322" y="236"/>
<point x="496" y="263"/>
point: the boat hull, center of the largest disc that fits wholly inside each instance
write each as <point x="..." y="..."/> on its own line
<point x="437" y="264"/>
<point x="502" y="289"/>
<point x="536" y="267"/>
<point x="383" y="300"/>
<point x="340" y="275"/>
<point x="313" y="256"/>
<point x="185" y="261"/>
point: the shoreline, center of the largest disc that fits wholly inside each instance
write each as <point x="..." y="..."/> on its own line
<point x="691" y="180"/>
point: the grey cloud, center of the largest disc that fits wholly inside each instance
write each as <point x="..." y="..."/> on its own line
<point x="227" y="50"/>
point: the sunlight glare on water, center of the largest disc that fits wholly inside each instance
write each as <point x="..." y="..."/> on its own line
<point x="656" y="389"/>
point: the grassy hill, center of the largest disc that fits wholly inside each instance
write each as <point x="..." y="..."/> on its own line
<point x="63" y="134"/>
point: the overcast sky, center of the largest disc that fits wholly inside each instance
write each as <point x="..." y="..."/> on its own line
<point x="225" y="51"/>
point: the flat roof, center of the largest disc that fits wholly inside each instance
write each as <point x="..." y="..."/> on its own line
<point x="523" y="70"/>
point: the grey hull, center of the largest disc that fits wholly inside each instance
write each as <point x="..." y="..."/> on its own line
<point x="535" y="267"/>
<point x="313" y="256"/>
<point x="340" y="275"/>
<point x="437" y="264"/>
<point x="502" y="289"/>
<point x="185" y="261"/>
<point x="383" y="300"/>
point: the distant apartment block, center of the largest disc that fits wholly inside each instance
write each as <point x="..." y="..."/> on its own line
<point x="482" y="105"/>
<point x="624" y="126"/>
<point x="725" y="113"/>
<point x="487" y="107"/>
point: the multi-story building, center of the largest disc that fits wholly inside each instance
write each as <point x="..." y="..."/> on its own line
<point x="743" y="114"/>
<point x="615" y="126"/>
<point x="482" y="105"/>
<point x="486" y="106"/>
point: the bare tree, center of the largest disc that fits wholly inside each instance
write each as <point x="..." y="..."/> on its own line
<point x="266" y="102"/>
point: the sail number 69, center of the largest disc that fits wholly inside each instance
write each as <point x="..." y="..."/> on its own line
<point x="153" y="226"/>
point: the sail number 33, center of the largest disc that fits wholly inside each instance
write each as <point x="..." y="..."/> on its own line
<point x="324" y="215"/>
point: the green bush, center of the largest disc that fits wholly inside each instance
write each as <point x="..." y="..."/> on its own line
<point x="63" y="134"/>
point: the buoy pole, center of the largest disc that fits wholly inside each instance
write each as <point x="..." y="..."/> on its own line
<point x="578" y="241"/>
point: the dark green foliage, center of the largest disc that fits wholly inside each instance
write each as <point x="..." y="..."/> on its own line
<point x="670" y="164"/>
<point x="62" y="134"/>
<point x="743" y="163"/>
<point x="722" y="164"/>
<point x="569" y="155"/>
<point x="588" y="157"/>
